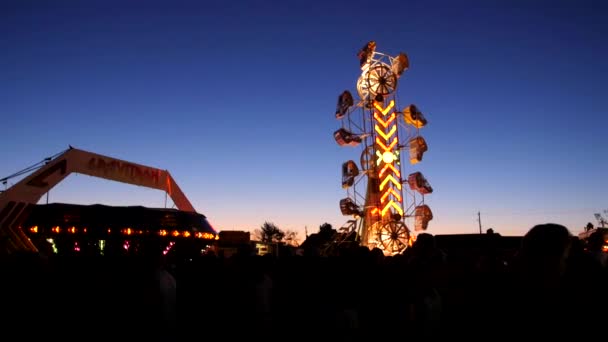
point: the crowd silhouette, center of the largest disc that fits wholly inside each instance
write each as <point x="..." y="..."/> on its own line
<point x="552" y="286"/>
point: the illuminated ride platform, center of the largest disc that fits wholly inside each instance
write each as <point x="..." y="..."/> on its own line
<point x="24" y="223"/>
<point x="103" y="230"/>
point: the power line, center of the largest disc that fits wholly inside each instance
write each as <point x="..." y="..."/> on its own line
<point x="31" y="167"/>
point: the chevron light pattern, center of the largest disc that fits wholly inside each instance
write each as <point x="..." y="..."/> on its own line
<point x="387" y="141"/>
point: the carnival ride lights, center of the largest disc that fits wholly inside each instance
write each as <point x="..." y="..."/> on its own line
<point x="127" y="232"/>
<point x="133" y="232"/>
<point x="374" y="123"/>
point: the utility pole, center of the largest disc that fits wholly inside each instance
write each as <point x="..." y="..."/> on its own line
<point x="479" y="220"/>
<point x="48" y="160"/>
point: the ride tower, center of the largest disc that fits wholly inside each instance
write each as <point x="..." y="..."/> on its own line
<point x="383" y="202"/>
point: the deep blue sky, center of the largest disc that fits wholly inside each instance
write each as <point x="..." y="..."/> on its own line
<point x="236" y="100"/>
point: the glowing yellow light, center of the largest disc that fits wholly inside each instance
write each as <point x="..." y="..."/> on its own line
<point x="208" y="236"/>
<point x="392" y="179"/>
<point x="34" y="229"/>
<point x="162" y="232"/>
<point x="384" y="147"/>
<point x="186" y="234"/>
<point x="56" y="229"/>
<point x="387" y="135"/>
<point x="388" y="157"/>
<point x="384" y="123"/>
<point x="394" y="205"/>
<point x="388" y="192"/>
<point x="175" y="233"/>
<point x="72" y="230"/>
<point x="384" y="111"/>
<point x="53" y="245"/>
<point x="383" y="198"/>
<point x="389" y="166"/>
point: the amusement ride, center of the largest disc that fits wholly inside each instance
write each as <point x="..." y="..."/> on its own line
<point x="384" y="198"/>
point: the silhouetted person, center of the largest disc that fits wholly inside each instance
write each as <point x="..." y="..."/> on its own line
<point x="536" y="299"/>
<point x="544" y="251"/>
<point x="425" y="304"/>
<point x="595" y="245"/>
<point x="424" y="251"/>
<point x="151" y="292"/>
<point x="377" y="255"/>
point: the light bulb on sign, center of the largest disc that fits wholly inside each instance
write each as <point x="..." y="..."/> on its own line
<point x="388" y="157"/>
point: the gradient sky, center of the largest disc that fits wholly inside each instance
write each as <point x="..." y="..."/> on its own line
<point x="236" y="99"/>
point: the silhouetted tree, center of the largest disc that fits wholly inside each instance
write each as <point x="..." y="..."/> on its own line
<point x="291" y="238"/>
<point x="269" y="232"/>
<point x="326" y="230"/>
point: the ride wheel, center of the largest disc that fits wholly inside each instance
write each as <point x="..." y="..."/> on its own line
<point x="363" y="89"/>
<point x="380" y="80"/>
<point x="394" y="237"/>
<point x="367" y="159"/>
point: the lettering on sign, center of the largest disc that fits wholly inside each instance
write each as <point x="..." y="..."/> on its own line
<point x="126" y="170"/>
